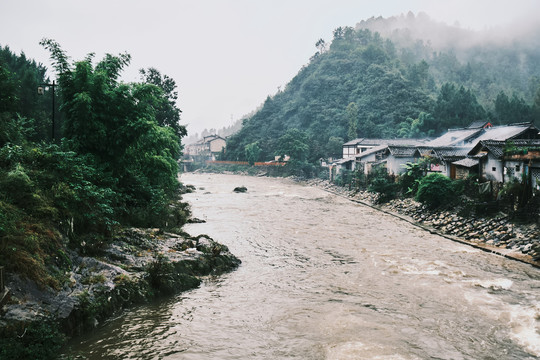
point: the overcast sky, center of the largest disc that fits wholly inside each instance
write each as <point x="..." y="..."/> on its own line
<point x="226" y="56"/>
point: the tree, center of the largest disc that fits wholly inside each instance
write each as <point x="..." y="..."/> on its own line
<point x="334" y="147"/>
<point x="252" y="152"/>
<point x="512" y="110"/>
<point x="435" y="190"/>
<point x="167" y="113"/>
<point x="456" y="107"/>
<point x="536" y="105"/>
<point x="321" y="46"/>
<point x="293" y="143"/>
<point x="352" y="119"/>
<point x="117" y="123"/>
<point x="417" y="128"/>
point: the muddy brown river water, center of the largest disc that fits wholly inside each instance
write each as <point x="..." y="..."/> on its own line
<point x="326" y="278"/>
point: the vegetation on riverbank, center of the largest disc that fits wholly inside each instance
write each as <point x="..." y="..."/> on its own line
<point x="70" y="188"/>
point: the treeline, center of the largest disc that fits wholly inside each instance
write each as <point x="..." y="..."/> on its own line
<point x="113" y="162"/>
<point x="364" y="85"/>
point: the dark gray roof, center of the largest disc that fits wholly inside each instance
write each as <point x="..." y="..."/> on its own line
<point x="447" y="153"/>
<point x="480" y="124"/>
<point x="374" y="149"/>
<point x="353" y="142"/>
<point x="495" y="147"/>
<point x="454" y="137"/>
<point x="402" y="151"/>
<point x="504" y="132"/>
<point x="378" y="142"/>
<point x="467" y="162"/>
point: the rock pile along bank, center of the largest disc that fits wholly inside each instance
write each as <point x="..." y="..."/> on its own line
<point x="497" y="234"/>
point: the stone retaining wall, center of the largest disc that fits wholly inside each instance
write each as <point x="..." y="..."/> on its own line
<point x="520" y="241"/>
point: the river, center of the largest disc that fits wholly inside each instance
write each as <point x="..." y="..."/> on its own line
<point x="325" y="278"/>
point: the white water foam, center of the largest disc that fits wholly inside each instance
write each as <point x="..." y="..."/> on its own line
<point x="493" y="284"/>
<point x="523" y="322"/>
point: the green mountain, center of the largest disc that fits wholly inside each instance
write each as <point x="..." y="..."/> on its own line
<point x="406" y="76"/>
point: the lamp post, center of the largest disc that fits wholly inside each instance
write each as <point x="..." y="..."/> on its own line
<point x="41" y="92"/>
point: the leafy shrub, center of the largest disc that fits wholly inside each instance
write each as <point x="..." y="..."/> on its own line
<point x="435" y="190"/>
<point x="410" y="179"/>
<point x="41" y="339"/>
<point x="380" y="182"/>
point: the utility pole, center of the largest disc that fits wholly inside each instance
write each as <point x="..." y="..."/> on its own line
<point x="41" y="92"/>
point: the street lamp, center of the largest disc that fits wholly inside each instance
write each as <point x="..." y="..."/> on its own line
<point x="41" y="91"/>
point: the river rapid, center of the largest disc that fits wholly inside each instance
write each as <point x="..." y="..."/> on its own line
<point x="325" y="278"/>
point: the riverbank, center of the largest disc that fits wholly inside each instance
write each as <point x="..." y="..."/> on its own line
<point x="137" y="266"/>
<point x="496" y="234"/>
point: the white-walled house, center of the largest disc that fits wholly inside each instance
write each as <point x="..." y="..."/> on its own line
<point x="397" y="156"/>
<point x="497" y="166"/>
<point x="450" y="152"/>
<point x="207" y="148"/>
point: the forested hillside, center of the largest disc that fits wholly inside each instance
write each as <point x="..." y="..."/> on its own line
<point x="383" y="79"/>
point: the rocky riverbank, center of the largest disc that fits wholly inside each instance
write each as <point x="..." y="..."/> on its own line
<point x="137" y="266"/>
<point x="496" y="234"/>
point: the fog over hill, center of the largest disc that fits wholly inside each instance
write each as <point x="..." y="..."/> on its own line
<point x="403" y="76"/>
<point x="405" y="30"/>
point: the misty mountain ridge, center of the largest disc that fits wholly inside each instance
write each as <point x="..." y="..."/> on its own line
<point x="406" y="30"/>
<point x="405" y="76"/>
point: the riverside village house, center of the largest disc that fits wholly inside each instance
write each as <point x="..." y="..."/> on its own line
<point x="495" y="153"/>
<point x="205" y="149"/>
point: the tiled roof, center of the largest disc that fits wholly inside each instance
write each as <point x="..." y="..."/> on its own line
<point x="353" y="142"/>
<point x="495" y="147"/>
<point x="480" y="124"/>
<point x="454" y="137"/>
<point x="449" y="153"/>
<point x="503" y="132"/>
<point x="467" y="162"/>
<point x="370" y="151"/>
<point x="402" y="151"/>
<point x="378" y="142"/>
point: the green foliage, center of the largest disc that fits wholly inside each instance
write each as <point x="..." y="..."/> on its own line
<point x="334" y="147"/>
<point x="344" y="178"/>
<point x="383" y="184"/>
<point x="401" y="86"/>
<point x="116" y="165"/>
<point x="410" y="180"/>
<point x="167" y="114"/>
<point x="352" y="118"/>
<point x="435" y="190"/>
<point x="23" y="113"/>
<point x="417" y="128"/>
<point x="359" y="67"/>
<point x="131" y="130"/>
<point x="40" y="339"/>
<point x="456" y="107"/>
<point x="253" y="151"/>
<point x="512" y="110"/>
<point x="294" y="143"/>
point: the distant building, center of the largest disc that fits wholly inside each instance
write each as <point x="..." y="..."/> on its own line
<point x="205" y="149"/>
<point x="451" y="154"/>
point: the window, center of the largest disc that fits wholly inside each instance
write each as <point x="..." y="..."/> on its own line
<point x="494" y="169"/>
<point x="517" y="167"/>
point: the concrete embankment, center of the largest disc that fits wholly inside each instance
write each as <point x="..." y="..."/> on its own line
<point x="494" y="234"/>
